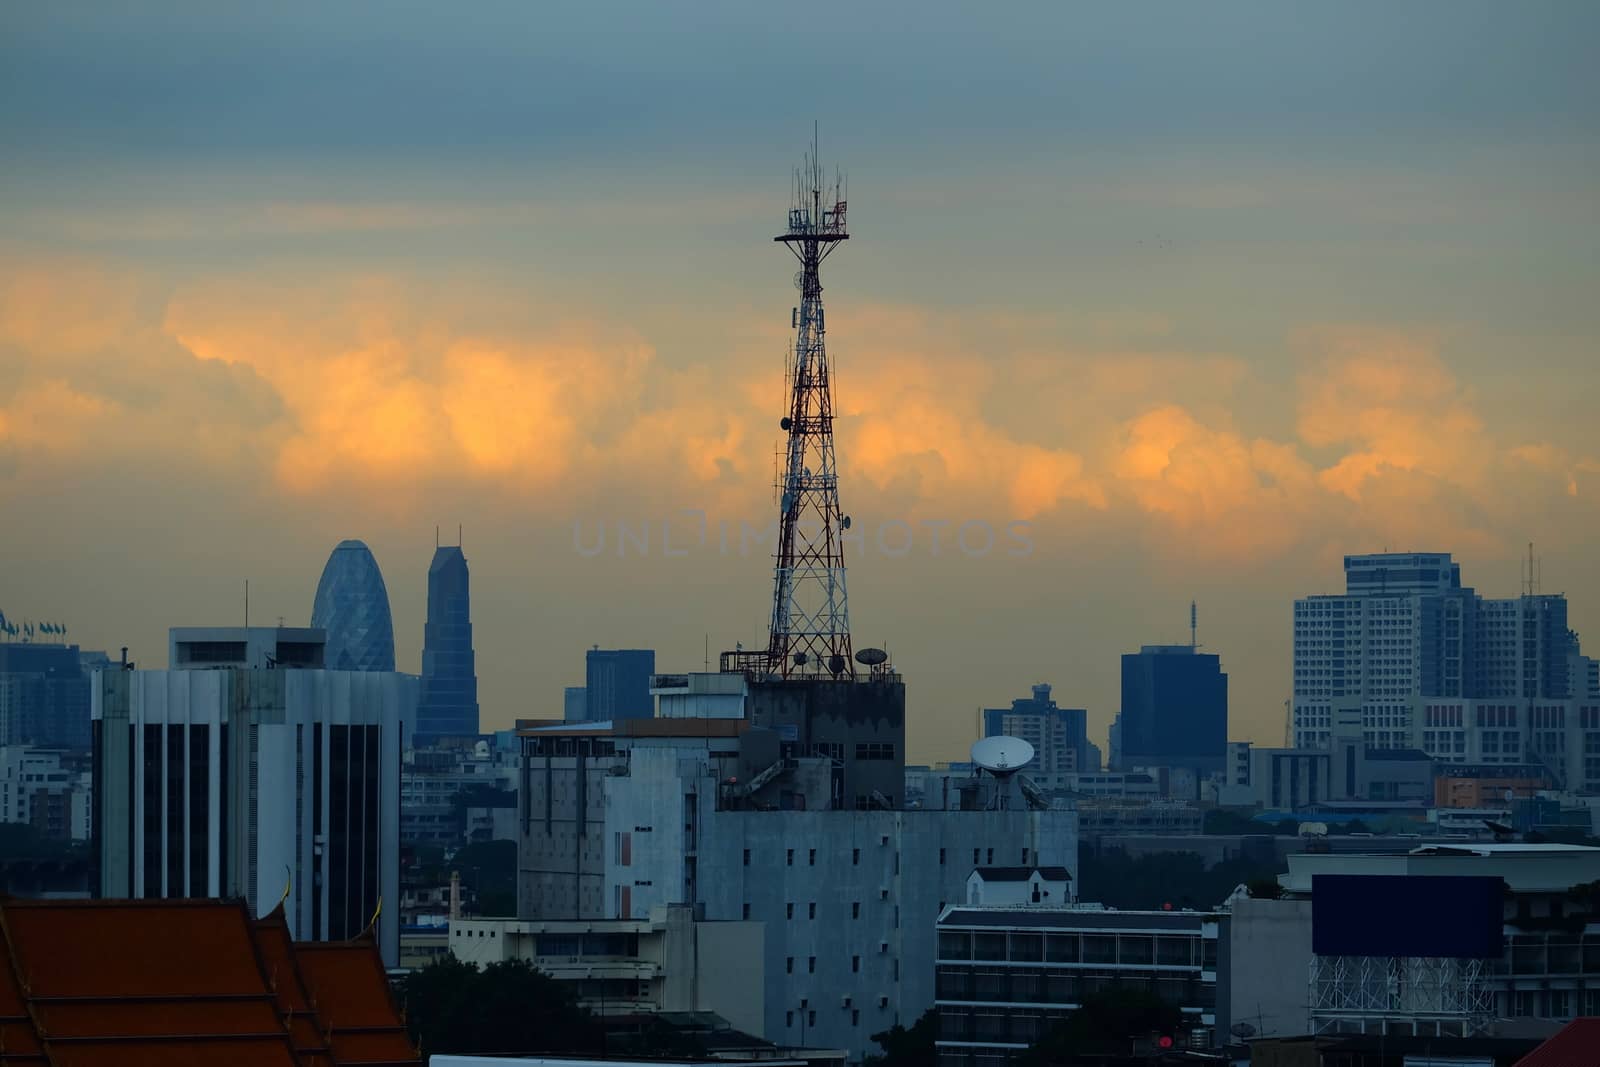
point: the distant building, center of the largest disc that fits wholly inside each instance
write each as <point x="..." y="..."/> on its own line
<point x="223" y="780"/>
<point x="352" y="607"/>
<point x="617" y="684"/>
<point x="1407" y="634"/>
<point x="44" y="694"/>
<point x="574" y="704"/>
<point x="1005" y="975"/>
<point x="665" y="963"/>
<point x="1174" y="709"/>
<point x="449" y="706"/>
<point x="200" y="648"/>
<point x="997" y="887"/>
<point x="1059" y="736"/>
<point x="1295" y="779"/>
<point x="48" y="789"/>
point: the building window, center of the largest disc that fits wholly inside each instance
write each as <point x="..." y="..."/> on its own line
<point x="788" y="965"/>
<point x="747" y="857"/>
<point x="811" y="1018"/>
<point x="855" y="964"/>
<point x="975" y="854"/>
<point x="941" y="857"/>
<point x="812" y="910"/>
<point x="855" y="909"/>
<point x="855" y="857"/>
<point x="855" y="1017"/>
<point x="990" y="857"/>
<point x="873" y="750"/>
<point x="747" y="909"/>
<point x="811" y="857"/>
<point x="788" y="1018"/>
<point x="811" y="965"/>
<point x="788" y="911"/>
<point x="789" y="857"/>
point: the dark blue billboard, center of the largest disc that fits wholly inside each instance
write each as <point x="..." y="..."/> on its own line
<point x="1406" y="915"/>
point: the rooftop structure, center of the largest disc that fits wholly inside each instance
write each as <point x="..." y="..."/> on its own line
<point x="106" y="982"/>
<point x="206" y="648"/>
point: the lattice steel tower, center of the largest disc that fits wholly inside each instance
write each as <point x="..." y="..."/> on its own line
<point x="810" y="632"/>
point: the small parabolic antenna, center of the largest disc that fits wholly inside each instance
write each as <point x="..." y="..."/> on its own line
<point x="1002" y="756"/>
<point x="872" y="656"/>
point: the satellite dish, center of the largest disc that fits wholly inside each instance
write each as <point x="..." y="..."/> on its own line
<point x="800" y="659"/>
<point x="785" y="422"/>
<point x="1002" y="756"/>
<point x="836" y="663"/>
<point x="872" y="656"/>
<point x="846" y="522"/>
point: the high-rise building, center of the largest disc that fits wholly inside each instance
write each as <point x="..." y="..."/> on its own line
<point x="352" y="607"/>
<point x="574" y="704"/>
<point x="1406" y="629"/>
<point x="267" y="783"/>
<point x="617" y="683"/>
<point x="449" y="706"/>
<point x="1174" y="709"/>
<point x="44" y="694"/>
<point x="1059" y="736"/>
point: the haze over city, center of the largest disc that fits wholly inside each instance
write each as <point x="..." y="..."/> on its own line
<point x="1205" y="317"/>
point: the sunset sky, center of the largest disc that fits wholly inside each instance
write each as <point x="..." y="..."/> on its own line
<point x="1208" y="295"/>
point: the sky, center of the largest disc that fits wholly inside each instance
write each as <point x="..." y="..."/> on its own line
<point x="1143" y="304"/>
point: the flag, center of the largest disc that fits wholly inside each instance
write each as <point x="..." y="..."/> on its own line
<point x="2" y="622"/>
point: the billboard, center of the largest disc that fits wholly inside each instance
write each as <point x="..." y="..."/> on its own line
<point x="1407" y="915"/>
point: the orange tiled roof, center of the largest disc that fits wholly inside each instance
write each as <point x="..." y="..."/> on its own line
<point x="174" y="982"/>
<point x="358" y="1013"/>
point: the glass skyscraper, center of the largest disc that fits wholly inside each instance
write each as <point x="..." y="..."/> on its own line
<point x="352" y="605"/>
<point x="617" y="684"/>
<point x="1174" y="709"/>
<point x="449" y="706"/>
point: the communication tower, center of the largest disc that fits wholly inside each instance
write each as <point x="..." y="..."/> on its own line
<point x="809" y="634"/>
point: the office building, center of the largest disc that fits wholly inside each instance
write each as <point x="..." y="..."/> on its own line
<point x="449" y="706"/>
<point x="46" y="788"/>
<point x="1174" y="710"/>
<point x="44" y="694"/>
<point x="574" y="704"/>
<point x="617" y="683"/>
<point x="1346" y="775"/>
<point x="1406" y="632"/>
<point x="666" y="962"/>
<point x="1059" y="736"/>
<point x="1005" y="975"/>
<point x="760" y="823"/>
<point x="278" y="784"/>
<point x="352" y="608"/>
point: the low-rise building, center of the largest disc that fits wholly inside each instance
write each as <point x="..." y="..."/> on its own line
<point x="1005" y="975"/>
<point x="669" y="962"/>
<point x="47" y="788"/>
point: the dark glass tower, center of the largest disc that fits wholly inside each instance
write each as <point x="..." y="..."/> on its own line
<point x="618" y="683"/>
<point x="449" y="705"/>
<point x="352" y="605"/>
<point x="1174" y="709"/>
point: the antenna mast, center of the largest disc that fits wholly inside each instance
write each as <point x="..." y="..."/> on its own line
<point x="809" y="633"/>
<point x="1193" y="627"/>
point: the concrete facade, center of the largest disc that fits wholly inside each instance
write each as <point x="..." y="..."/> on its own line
<point x="666" y="962"/>
<point x="262" y="784"/>
<point x="1263" y="958"/>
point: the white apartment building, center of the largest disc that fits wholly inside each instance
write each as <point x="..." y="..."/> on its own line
<point x="1405" y="628"/>
<point x="36" y="788"/>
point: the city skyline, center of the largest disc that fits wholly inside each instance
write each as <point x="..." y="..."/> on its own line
<point x="1207" y="318"/>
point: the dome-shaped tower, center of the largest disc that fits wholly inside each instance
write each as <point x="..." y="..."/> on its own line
<point x="352" y="605"/>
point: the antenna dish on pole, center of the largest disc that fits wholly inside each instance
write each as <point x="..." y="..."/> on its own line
<point x="1002" y="756"/>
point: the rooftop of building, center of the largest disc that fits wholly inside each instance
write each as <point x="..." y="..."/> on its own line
<point x="104" y="982"/>
<point x="1022" y="874"/>
<point x="683" y="727"/>
<point x="1072" y="917"/>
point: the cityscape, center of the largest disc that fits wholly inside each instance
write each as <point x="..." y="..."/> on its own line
<point x="1202" y="698"/>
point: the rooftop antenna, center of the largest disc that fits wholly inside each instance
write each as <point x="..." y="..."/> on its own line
<point x="247" y="603"/>
<point x="707" y="662"/>
<point x="435" y="535"/>
<point x="1193" y="627"/>
<point x="1530" y="574"/>
<point x="458" y="535"/>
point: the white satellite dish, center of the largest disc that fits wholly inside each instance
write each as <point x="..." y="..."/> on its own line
<point x="1002" y="756"/>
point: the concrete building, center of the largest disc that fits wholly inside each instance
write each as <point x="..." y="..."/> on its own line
<point x="1005" y="975"/>
<point x="1291" y="779"/>
<point x="1059" y="736"/>
<point x="1174" y="710"/>
<point x="665" y="962"/>
<point x="756" y="819"/>
<point x="265" y="784"/>
<point x="449" y="702"/>
<point x="617" y="683"/>
<point x="452" y="795"/>
<point x="44" y="694"/>
<point x="1547" y="973"/>
<point x="46" y="788"/>
<point x="574" y="704"/>
<point x="199" y="648"/>
<point x="352" y="608"/>
<point x="1488" y="785"/>
<point x="1406" y="630"/>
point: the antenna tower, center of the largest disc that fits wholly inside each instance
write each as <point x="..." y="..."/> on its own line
<point x="810" y="626"/>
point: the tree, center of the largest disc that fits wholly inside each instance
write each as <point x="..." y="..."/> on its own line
<point x="507" y="1008"/>
<point x="1105" y="1024"/>
<point x="907" y="1048"/>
